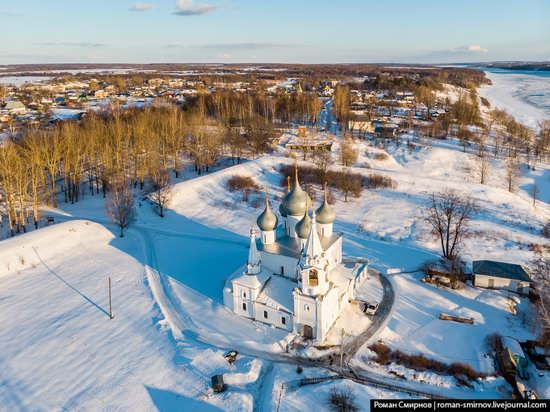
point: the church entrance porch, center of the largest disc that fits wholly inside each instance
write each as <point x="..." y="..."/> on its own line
<point x="307" y="332"/>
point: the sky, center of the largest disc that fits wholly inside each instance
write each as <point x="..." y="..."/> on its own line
<point x="273" y="31"/>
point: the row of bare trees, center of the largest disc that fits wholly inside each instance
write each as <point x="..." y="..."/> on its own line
<point x="111" y="149"/>
<point x="233" y="108"/>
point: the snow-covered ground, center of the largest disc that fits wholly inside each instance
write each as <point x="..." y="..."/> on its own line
<point x="60" y="350"/>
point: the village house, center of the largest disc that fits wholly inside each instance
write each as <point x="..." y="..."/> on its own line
<point x="303" y="140"/>
<point x="500" y="275"/>
<point x="294" y="278"/>
<point x="15" y="107"/>
<point x="360" y="123"/>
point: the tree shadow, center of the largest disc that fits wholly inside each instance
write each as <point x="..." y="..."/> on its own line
<point x="91" y="302"/>
<point x="166" y="400"/>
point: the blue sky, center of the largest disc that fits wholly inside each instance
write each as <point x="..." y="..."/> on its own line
<point x="302" y="31"/>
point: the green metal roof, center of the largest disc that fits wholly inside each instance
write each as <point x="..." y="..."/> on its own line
<point x="500" y="270"/>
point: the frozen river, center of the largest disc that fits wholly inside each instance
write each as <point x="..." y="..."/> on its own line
<point x="524" y="94"/>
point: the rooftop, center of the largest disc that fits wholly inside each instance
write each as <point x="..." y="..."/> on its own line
<point x="288" y="246"/>
<point x="277" y="293"/>
<point x="501" y="270"/>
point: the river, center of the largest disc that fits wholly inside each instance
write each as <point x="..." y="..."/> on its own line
<point x="524" y="94"/>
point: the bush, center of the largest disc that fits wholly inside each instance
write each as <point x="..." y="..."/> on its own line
<point x="376" y="181"/>
<point x="244" y="184"/>
<point x="299" y="370"/>
<point x="238" y="182"/>
<point x="342" y="399"/>
<point x="345" y="181"/>
<point x="380" y="156"/>
<point x="421" y="363"/>
<point x="546" y="230"/>
<point x="493" y="342"/>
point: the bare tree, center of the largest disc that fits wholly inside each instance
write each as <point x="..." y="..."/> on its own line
<point x="322" y="159"/>
<point x="482" y="168"/>
<point x="348" y="183"/>
<point x="161" y="191"/>
<point x="120" y="207"/>
<point x="513" y="174"/>
<point x="348" y="153"/>
<point x="535" y="192"/>
<point x="448" y="214"/>
<point x="540" y="271"/>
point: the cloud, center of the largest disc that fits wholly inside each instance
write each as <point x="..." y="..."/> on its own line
<point x="142" y="7"/>
<point x="225" y="56"/>
<point x="70" y="44"/>
<point x="9" y="14"/>
<point x="188" y="8"/>
<point x="474" y="48"/>
<point x="248" y="46"/>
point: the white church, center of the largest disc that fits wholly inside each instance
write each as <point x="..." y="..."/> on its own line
<point x="295" y="278"/>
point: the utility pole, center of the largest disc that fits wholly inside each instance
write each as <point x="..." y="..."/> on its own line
<point x="111" y="316"/>
<point x="342" y="334"/>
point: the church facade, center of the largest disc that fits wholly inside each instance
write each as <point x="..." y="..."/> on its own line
<point x="294" y="277"/>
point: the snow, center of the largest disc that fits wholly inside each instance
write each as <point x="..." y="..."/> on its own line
<point x="60" y="350"/>
<point x="21" y="80"/>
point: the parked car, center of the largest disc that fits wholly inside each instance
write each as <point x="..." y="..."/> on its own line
<point x="371" y="308"/>
<point x="368" y="308"/>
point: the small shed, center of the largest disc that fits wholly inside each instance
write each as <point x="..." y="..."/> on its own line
<point x="217" y="383"/>
<point x="386" y="131"/>
<point x="501" y="275"/>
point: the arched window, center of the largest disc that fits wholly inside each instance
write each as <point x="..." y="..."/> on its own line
<point x="313" y="278"/>
<point x="244" y="294"/>
<point x="244" y="306"/>
<point x="306" y="307"/>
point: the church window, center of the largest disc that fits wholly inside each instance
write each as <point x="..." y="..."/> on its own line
<point x="265" y="314"/>
<point x="313" y="278"/>
<point x="244" y="294"/>
<point x="283" y="320"/>
<point x="244" y="306"/>
<point x="282" y="270"/>
<point x="306" y="307"/>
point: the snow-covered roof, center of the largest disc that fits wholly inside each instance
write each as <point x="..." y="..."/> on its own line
<point x="252" y="281"/>
<point x="277" y="293"/>
<point x="291" y="247"/>
<point x="513" y="345"/>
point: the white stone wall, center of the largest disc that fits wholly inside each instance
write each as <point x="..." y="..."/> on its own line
<point x="291" y="224"/>
<point x="243" y="294"/>
<point x="274" y="316"/>
<point x="275" y="262"/>
<point x="303" y="316"/>
<point x="511" y="285"/>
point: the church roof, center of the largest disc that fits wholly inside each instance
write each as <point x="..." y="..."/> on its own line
<point x="277" y="294"/>
<point x="252" y="281"/>
<point x="288" y="246"/>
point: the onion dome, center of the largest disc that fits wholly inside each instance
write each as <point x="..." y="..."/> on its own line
<point x="267" y="220"/>
<point x="304" y="225"/>
<point x="295" y="201"/>
<point x="325" y="214"/>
